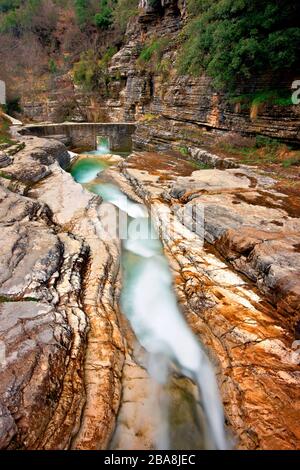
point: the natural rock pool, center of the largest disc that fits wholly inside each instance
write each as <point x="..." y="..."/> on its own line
<point x="149" y="302"/>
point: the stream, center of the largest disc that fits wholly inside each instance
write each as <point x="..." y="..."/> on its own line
<point x="149" y="302"/>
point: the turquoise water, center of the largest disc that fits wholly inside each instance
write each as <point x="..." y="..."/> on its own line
<point x="103" y="149"/>
<point x="87" y="169"/>
<point x="149" y="302"/>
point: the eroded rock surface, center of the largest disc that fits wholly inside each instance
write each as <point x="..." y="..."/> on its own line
<point x="69" y="375"/>
<point x="248" y="330"/>
<point x="62" y="351"/>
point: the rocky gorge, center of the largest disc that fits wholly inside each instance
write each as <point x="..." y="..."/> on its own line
<point x="172" y="111"/>
<point x="187" y="336"/>
<point x="71" y="358"/>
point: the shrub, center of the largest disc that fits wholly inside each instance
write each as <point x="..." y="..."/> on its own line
<point x="83" y="11"/>
<point x="235" y="39"/>
<point x="292" y="161"/>
<point x="184" y="151"/>
<point x="104" y="18"/>
<point x="91" y="72"/>
<point x="262" y="141"/>
<point x="236" y="140"/>
<point x="12" y="106"/>
<point x="52" y="66"/>
<point x="123" y="11"/>
<point x="154" y="51"/>
<point x="65" y="110"/>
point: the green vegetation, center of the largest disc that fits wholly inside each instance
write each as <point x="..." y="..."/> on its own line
<point x="184" y="151"/>
<point x="155" y="48"/>
<point x="123" y="11"/>
<point x="104" y="18"/>
<point x="12" y="106"/>
<point x="200" y="165"/>
<point x="53" y="69"/>
<point x="235" y="40"/>
<point x="194" y="163"/>
<point x="83" y="12"/>
<point x="5" y="175"/>
<point x="154" y="51"/>
<point x="98" y="13"/>
<point x="7" y="5"/>
<point x="4" y="132"/>
<point x="262" y="150"/>
<point x="148" y="117"/>
<point x="19" y="16"/>
<point x="292" y="161"/>
<point x="91" y="72"/>
<point x="276" y="97"/>
<point x="4" y="298"/>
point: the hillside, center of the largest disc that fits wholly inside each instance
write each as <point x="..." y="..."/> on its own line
<point x="63" y="50"/>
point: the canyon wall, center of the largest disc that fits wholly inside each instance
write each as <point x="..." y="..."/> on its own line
<point x="172" y="109"/>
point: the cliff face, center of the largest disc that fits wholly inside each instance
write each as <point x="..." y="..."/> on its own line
<point x="171" y="107"/>
<point x="184" y="108"/>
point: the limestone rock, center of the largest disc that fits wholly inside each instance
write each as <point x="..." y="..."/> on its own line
<point x="31" y="164"/>
<point x="5" y="160"/>
<point x="60" y="344"/>
<point x="249" y="341"/>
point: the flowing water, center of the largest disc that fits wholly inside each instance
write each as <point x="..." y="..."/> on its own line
<point x="149" y="302"/>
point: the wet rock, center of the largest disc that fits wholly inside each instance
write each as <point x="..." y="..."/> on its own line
<point x="56" y="278"/>
<point x="249" y="340"/>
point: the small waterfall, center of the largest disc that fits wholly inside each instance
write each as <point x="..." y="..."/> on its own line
<point x="149" y="302"/>
<point x="102" y="145"/>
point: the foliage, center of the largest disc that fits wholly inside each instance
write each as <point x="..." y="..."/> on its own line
<point x="277" y="97"/>
<point x="17" y="16"/>
<point x="36" y="16"/>
<point x="236" y="39"/>
<point x="293" y="161"/>
<point x="184" y="151"/>
<point x="65" y="110"/>
<point x="262" y="141"/>
<point x="12" y="106"/>
<point x="52" y="66"/>
<point x="154" y="51"/>
<point x="4" y="131"/>
<point x="200" y="165"/>
<point x="259" y="150"/>
<point x="99" y="13"/>
<point x="91" y="72"/>
<point x="104" y="18"/>
<point x="7" y="5"/>
<point x="83" y="11"/>
<point x="148" y="117"/>
<point x="123" y="11"/>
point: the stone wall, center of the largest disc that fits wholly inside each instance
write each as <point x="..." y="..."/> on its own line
<point x="85" y="134"/>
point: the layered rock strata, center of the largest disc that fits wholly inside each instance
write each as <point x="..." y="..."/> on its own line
<point x="172" y="110"/>
<point x="71" y="375"/>
<point x="249" y="331"/>
<point x="61" y="348"/>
